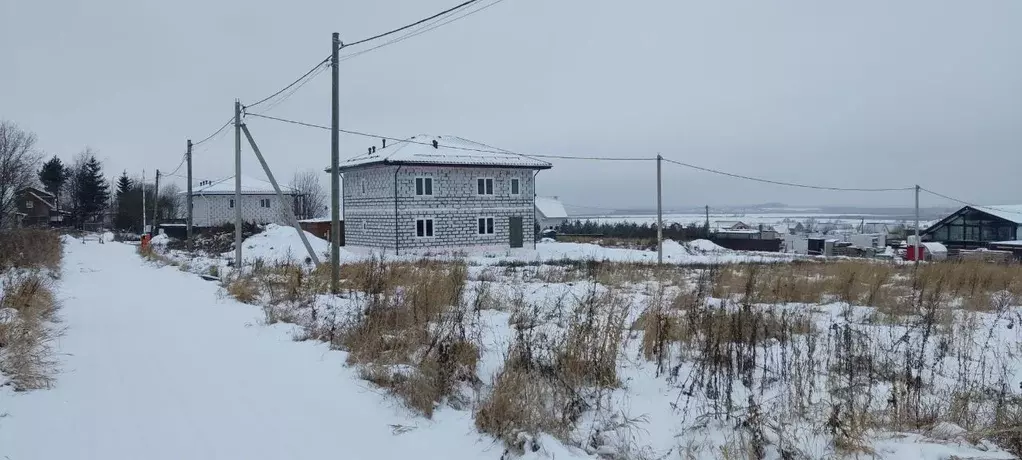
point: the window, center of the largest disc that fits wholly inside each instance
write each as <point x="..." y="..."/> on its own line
<point x="232" y="204"/>
<point x="29" y="204"/>
<point x="365" y="225"/>
<point x="515" y="187"/>
<point x="264" y="203"/>
<point x="485" y="225"/>
<point x="424" y="186"/>
<point x="364" y="186"/>
<point x="484" y="186"/>
<point x="424" y="228"/>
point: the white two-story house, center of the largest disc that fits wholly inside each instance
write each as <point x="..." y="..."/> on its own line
<point x="214" y="202"/>
<point x="431" y="192"/>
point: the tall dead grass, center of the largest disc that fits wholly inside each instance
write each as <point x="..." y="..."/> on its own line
<point x="30" y="248"/>
<point x="27" y="313"/>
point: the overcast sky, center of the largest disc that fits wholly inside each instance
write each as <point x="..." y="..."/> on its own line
<point x="849" y="94"/>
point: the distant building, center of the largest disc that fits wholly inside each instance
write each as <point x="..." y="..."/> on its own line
<point x="429" y="192"/>
<point x="550" y="212"/>
<point x="37" y="208"/>
<point x="213" y="202"/>
<point x="977" y="226"/>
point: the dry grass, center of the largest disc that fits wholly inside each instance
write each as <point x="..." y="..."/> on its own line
<point x="30" y="248"/>
<point x="420" y="328"/>
<point x="27" y="310"/>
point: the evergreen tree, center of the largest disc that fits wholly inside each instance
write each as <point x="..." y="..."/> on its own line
<point x="53" y="175"/>
<point x="123" y="184"/>
<point x="91" y="193"/>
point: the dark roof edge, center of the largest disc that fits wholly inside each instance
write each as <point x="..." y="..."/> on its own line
<point x="955" y="214"/>
<point x="385" y="162"/>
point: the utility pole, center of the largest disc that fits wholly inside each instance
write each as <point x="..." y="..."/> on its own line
<point x="156" y="205"/>
<point x="707" y="228"/>
<point x="335" y="185"/>
<point x="143" y="203"/>
<point x="659" y="214"/>
<point x="188" y="158"/>
<point x="237" y="185"/>
<point x="917" y="226"/>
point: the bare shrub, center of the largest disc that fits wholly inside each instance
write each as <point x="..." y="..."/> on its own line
<point x="30" y="248"/>
<point x="27" y="309"/>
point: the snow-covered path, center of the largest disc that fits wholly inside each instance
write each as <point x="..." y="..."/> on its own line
<point x="157" y="365"/>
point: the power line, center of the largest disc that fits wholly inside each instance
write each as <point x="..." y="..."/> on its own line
<point x="418" y="32"/>
<point x="299" y="79"/>
<point x="995" y="208"/>
<point x="788" y="184"/>
<point x="483" y="150"/>
<point x="229" y="120"/>
<point x="399" y="29"/>
<point x="184" y="157"/>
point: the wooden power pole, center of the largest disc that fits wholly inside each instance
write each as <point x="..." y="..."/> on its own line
<point x="156" y="205"/>
<point x="237" y="185"/>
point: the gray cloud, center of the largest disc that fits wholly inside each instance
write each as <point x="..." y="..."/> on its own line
<point x="857" y="94"/>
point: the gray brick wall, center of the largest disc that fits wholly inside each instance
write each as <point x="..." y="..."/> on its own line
<point x="455" y="207"/>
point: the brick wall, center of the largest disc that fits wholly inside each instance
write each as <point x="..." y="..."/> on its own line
<point x="215" y="210"/>
<point x="455" y="206"/>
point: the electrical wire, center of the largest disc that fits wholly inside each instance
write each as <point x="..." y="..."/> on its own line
<point x="788" y="184"/>
<point x="470" y="149"/>
<point x="399" y="29"/>
<point x="416" y="33"/>
<point x="184" y="157"/>
<point x="995" y="208"/>
<point x="298" y="80"/>
<point x="229" y="120"/>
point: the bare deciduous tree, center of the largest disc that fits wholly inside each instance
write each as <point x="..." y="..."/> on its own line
<point x="312" y="202"/>
<point x="18" y="163"/>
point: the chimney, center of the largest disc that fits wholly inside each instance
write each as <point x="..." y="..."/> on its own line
<point x="384" y="143"/>
<point x="370" y="149"/>
<point x="374" y="149"/>
<point x="436" y="144"/>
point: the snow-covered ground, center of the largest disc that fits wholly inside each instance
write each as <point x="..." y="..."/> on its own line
<point x="157" y="363"/>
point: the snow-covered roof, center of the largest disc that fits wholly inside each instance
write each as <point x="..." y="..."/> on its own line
<point x="934" y="247"/>
<point x="550" y="208"/>
<point x="449" y="151"/>
<point x="249" y="186"/>
<point x="1012" y="212"/>
<point x="1007" y="243"/>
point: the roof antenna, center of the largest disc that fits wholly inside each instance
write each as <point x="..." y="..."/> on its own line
<point x="436" y="144"/>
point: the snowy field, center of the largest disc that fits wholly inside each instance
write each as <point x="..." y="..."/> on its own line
<point x="613" y="361"/>
<point x="773" y="219"/>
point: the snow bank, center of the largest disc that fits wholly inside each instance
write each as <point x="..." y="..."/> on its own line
<point x="280" y="243"/>
<point x="705" y="246"/>
<point x="158" y="240"/>
<point x="109" y="236"/>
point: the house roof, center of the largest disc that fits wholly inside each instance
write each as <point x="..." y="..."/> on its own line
<point x="1012" y="212"/>
<point x="449" y="151"/>
<point x="1008" y="212"/>
<point x="249" y="186"/>
<point x="551" y="208"/>
<point x="44" y="197"/>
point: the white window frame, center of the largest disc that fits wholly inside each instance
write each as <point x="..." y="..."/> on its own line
<point x="422" y="180"/>
<point x="365" y="187"/>
<point x="515" y="180"/>
<point x="29" y="204"/>
<point x="231" y="204"/>
<point x="425" y="228"/>
<point x="488" y="230"/>
<point x="365" y="224"/>
<point x="487" y="186"/>
<point x="264" y="203"/>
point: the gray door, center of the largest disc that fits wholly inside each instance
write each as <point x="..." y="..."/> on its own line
<point x="515" y="231"/>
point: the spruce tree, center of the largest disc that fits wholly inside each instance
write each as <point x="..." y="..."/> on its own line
<point x="123" y="184"/>
<point x="53" y="175"/>
<point x="91" y="190"/>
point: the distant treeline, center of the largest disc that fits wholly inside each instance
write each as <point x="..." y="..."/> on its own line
<point x="672" y="231"/>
